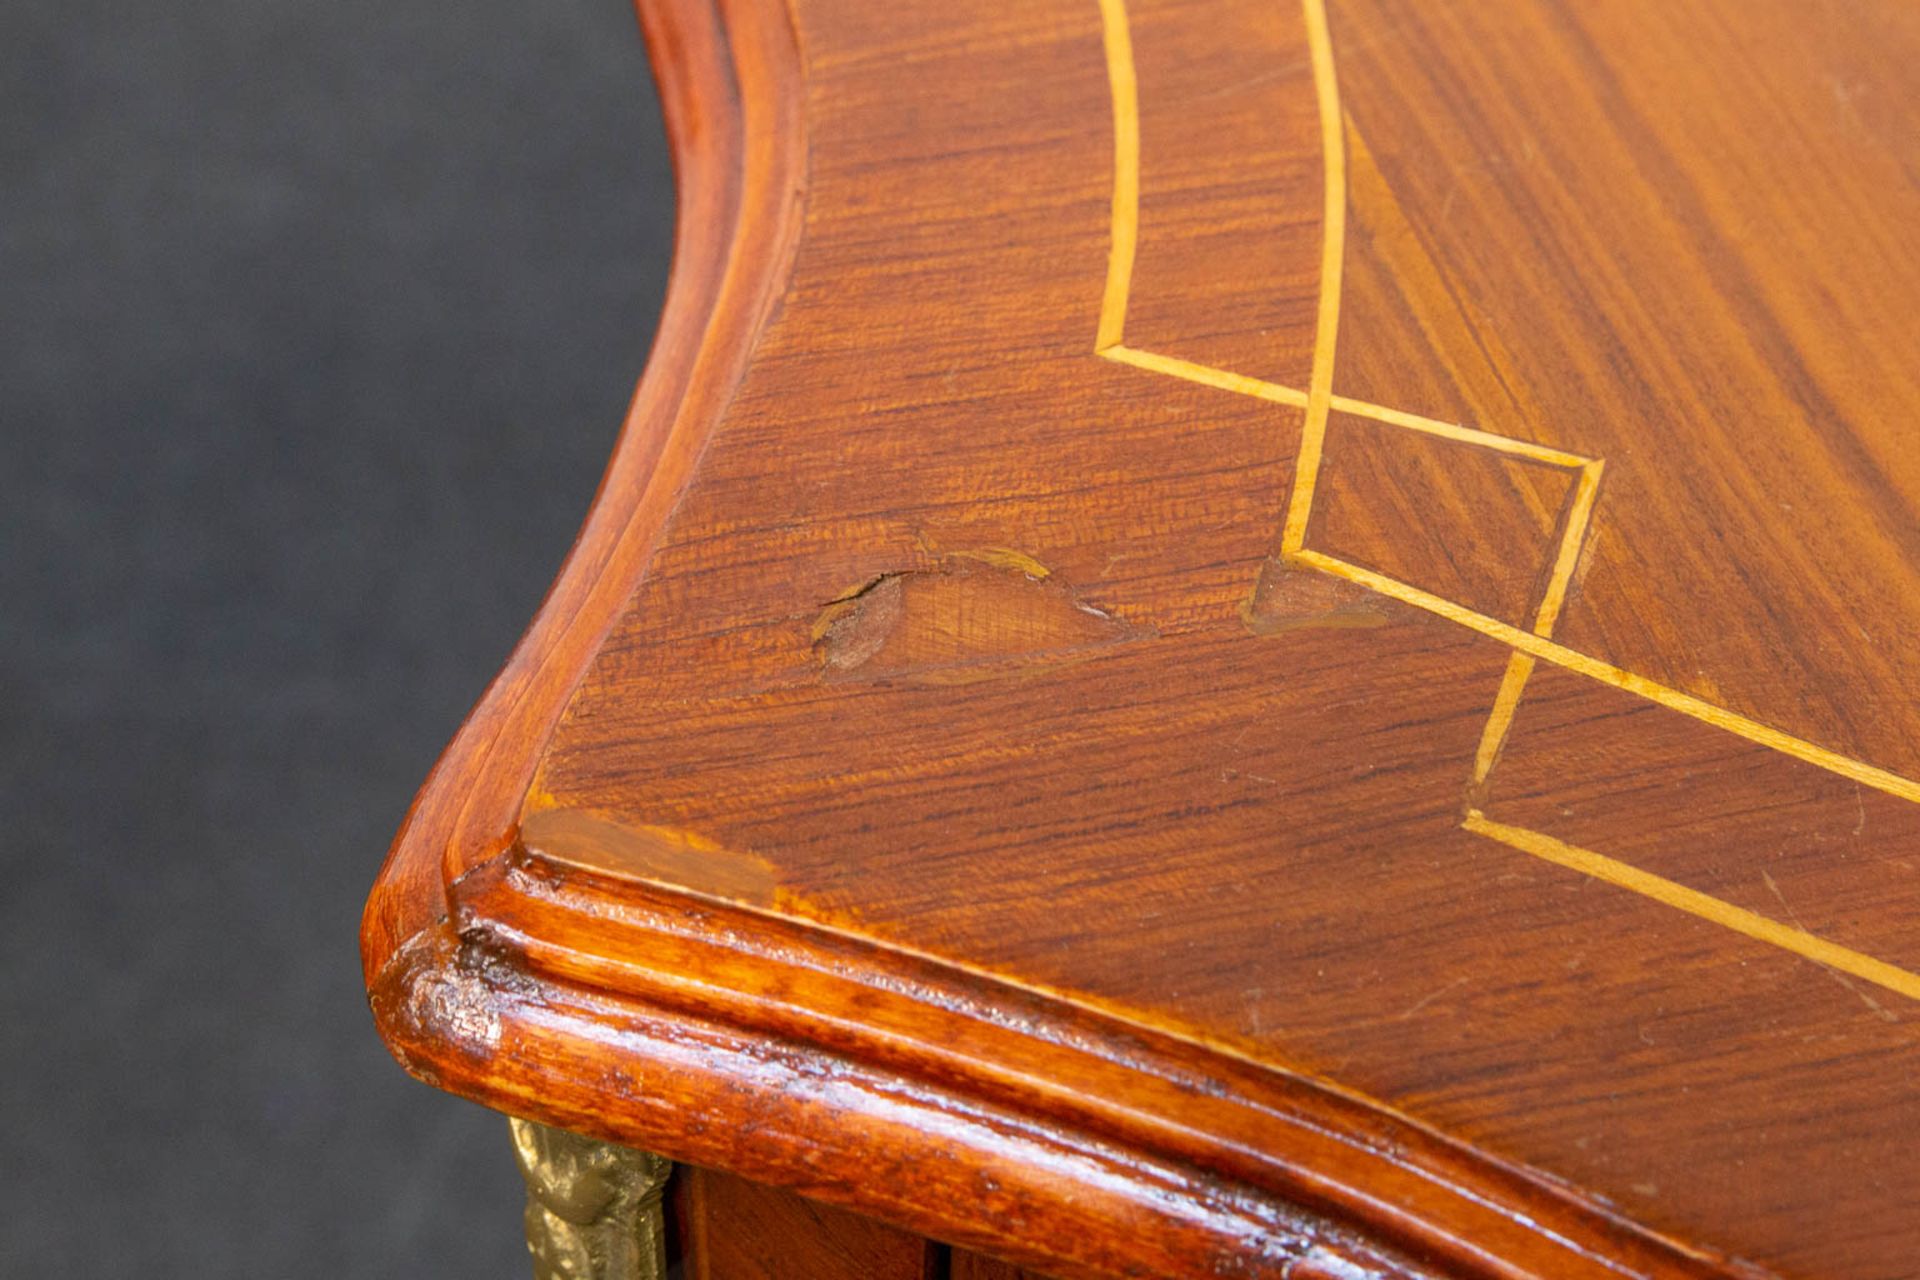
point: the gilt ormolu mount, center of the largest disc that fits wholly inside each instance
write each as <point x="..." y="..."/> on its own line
<point x="1239" y="634"/>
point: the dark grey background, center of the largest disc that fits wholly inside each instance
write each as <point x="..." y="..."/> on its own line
<point x="316" y="325"/>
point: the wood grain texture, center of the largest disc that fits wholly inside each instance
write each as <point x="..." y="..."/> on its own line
<point x="740" y="1230"/>
<point x="971" y="1266"/>
<point x="1239" y="637"/>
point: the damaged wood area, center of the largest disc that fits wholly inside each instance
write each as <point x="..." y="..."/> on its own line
<point x="973" y="616"/>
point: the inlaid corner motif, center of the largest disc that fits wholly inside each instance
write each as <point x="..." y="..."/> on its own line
<point x="1531" y="644"/>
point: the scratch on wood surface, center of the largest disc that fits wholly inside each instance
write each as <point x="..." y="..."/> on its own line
<point x="1430" y="997"/>
<point x="1879" y="1010"/>
<point x="1595" y="866"/>
<point x="674" y="856"/>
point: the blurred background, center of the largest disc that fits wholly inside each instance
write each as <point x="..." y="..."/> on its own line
<point x="316" y="326"/>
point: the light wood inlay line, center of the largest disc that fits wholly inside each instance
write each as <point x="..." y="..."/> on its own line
<point x="1606" y="673"/>
<point x="1693" y="902"/>
<point x="1118" y="33"/>
<point x="1333" y="250"/>
<point x="1293" y="397"/>
<point x="1494" y="737"/>
<point x="1530" y="646"/>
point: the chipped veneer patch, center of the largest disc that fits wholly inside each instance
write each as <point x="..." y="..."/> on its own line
<point x="973" y="615"/>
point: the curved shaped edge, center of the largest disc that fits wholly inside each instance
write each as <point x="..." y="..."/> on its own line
<point x="974" y="1112"/>
<point x="923" y="1152"/>
<point x="964" y="1108"/>
<point x="728" y="76"/>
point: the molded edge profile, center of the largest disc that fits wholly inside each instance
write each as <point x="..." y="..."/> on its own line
<point x="1324" y="1173"/>
<point x="950" y="1103"/>
<point x="729" y="86"/>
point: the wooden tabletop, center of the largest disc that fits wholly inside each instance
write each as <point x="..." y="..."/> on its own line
<point x="1234" y="635"/>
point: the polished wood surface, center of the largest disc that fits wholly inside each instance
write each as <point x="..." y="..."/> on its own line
<point x="740" y="1230"/>
<point x="1239" y="634"/>
<point x="728" y="1228"/>
<point x="973" y="1266"/>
